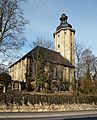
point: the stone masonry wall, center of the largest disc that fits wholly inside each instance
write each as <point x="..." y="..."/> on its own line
<point x="46" y="108"/>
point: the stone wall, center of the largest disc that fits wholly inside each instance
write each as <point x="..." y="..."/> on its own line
<point x="46" y="108"/>
<point x="18" y="70"/>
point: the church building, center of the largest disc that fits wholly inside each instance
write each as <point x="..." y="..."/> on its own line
<point x="45" y="69"/>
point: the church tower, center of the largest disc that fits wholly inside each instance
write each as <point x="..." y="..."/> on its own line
<point x="64" y="43"/>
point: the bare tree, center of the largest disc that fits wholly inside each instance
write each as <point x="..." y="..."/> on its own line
<point x="89" y="61"/>
<point x="86" y="64"/>
<point x="79" y="48"/>
<point x="88" y="68"/>
<point x="39" y="62"/>
<point x="3" y="68"/>
<point x="12" y="25"/>
<point x="40" y="41"/>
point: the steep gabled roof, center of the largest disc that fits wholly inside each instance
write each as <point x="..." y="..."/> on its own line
<point x="48" y="55"/>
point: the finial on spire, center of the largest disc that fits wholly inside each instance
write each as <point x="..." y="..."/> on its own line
<point x="63" y="11"/>
<point x="63" y="17"/>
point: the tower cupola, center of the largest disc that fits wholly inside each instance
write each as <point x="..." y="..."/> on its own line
<point x="63" y="22"/>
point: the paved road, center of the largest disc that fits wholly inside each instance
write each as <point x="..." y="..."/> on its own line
<point x="78" y="115"/>
<point x="44" y="118"/>
<point x="52" y="118"/>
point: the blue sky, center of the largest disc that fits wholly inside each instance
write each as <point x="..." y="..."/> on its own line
<point x="44" y="18"/>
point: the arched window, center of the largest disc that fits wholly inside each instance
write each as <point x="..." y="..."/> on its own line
<point x="58" y="45"/>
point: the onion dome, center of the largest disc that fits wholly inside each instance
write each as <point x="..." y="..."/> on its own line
<point x="63" y="22"/>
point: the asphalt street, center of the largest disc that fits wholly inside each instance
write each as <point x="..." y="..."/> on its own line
<point x="74" y="115"/>
<point x="52" y="118"/>
<point x="44" y="118"/>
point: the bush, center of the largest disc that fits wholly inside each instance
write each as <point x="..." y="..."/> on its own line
<point x="19" y="99"/>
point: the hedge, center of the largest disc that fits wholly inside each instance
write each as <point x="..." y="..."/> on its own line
<point x="19" y="99"/>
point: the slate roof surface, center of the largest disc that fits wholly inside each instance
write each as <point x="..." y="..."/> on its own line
<point x="48" y="55"/>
